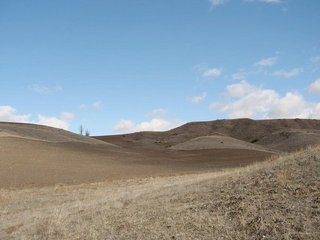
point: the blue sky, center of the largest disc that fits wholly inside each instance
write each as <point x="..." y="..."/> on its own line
<point x="121" y="66"/>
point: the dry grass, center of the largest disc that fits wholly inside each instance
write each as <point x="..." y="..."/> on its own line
<point x="277" y="199"/>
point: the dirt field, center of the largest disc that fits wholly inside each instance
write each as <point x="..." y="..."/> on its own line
<point x="181" y="184"/>
<point x="33" y="155"/>
<point x="26" y="163"/>
<point x="276" y="199"/>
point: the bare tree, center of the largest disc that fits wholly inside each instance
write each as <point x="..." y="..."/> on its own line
<point x="81" y="129"/>
<point x="87" y="133"/>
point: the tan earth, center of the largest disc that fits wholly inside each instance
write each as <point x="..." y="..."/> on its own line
<point x="275" y="199"/>
<point x="216" y="142"/>
<point x="225" y="179"/>
<point x="33" y="155"/>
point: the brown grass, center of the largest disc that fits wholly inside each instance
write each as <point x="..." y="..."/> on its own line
<point x="277" y="199"/>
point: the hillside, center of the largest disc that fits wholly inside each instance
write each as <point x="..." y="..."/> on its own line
<point x="33" y="155"/>
<point x="278" y="134"/>
<point x="216" y="142"/>
<point x="43" y="133"/>
<point x="277" y="199"/>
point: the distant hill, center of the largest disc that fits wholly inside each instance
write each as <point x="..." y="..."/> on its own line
<point x="34" y="155"/>
<point x="277" y="134"/>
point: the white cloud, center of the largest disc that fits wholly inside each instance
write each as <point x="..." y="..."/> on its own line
<point x="212" y="73"/>
<point x="288" y="74"/>
<point x="46" y="90"/>
<point x="239" y="76"/>
<point x="9" y="114"/>
<point x="198" y="99"/>
<point x="315" y="60"/>
<point x="315" y="87"/>
<point x="124" y="126"/>
<point x="156" y="113"/>
<point x="256" y="102"/>
<point x="266" y="1"/>
<point x="216" y="3"/>
<point x="271" y="1"/>
<point x="240" y="89"/>
<point x="266" y="62"/>
<point x="242" y="74"/>
<point x="61" y="122"/>
<point x="154" y="124"/>
<point x="95" y="105"/>
<point x="67" y="116"/>
<point x="83" y="106"/>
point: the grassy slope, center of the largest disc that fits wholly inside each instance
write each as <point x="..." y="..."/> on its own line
<point x="278" y="199"/>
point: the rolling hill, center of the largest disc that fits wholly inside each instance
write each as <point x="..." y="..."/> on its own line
<point x="202" y="180"/>
<point x="277" y="134"/>
<point x="33" y="155"/>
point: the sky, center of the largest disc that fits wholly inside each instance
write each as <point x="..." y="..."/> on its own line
<point x="118" y="66"/>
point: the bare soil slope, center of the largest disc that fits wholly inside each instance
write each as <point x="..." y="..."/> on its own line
<point x="266" y="133"/>
<point x="43" y="133"/>
<point x="33" y="155"/>
<point x="216" y="142"/>
<point x="277" y="199"/>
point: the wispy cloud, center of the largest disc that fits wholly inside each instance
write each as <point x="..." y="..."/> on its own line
<point x="211" y="73"/>
<point x="198" y="99"/>
<point x="46" y="90"/>
<point x="240" y="75"/>
<point x="95" y="105"/>
<point x="244" y="74"/>
<point x="247" y="100"/>
<point x="288" y="74"/>
<point x="314" y="87"/>
<point x="266" y="1"/>
<point x="216" y="3"/>
<point x="315" y="61"/>
<point x="266" y="62"/>
<point x="271" y="1"/>
<point x="156" y="113"/>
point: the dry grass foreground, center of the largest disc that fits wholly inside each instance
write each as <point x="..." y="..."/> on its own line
<point x="277" y="199"/>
